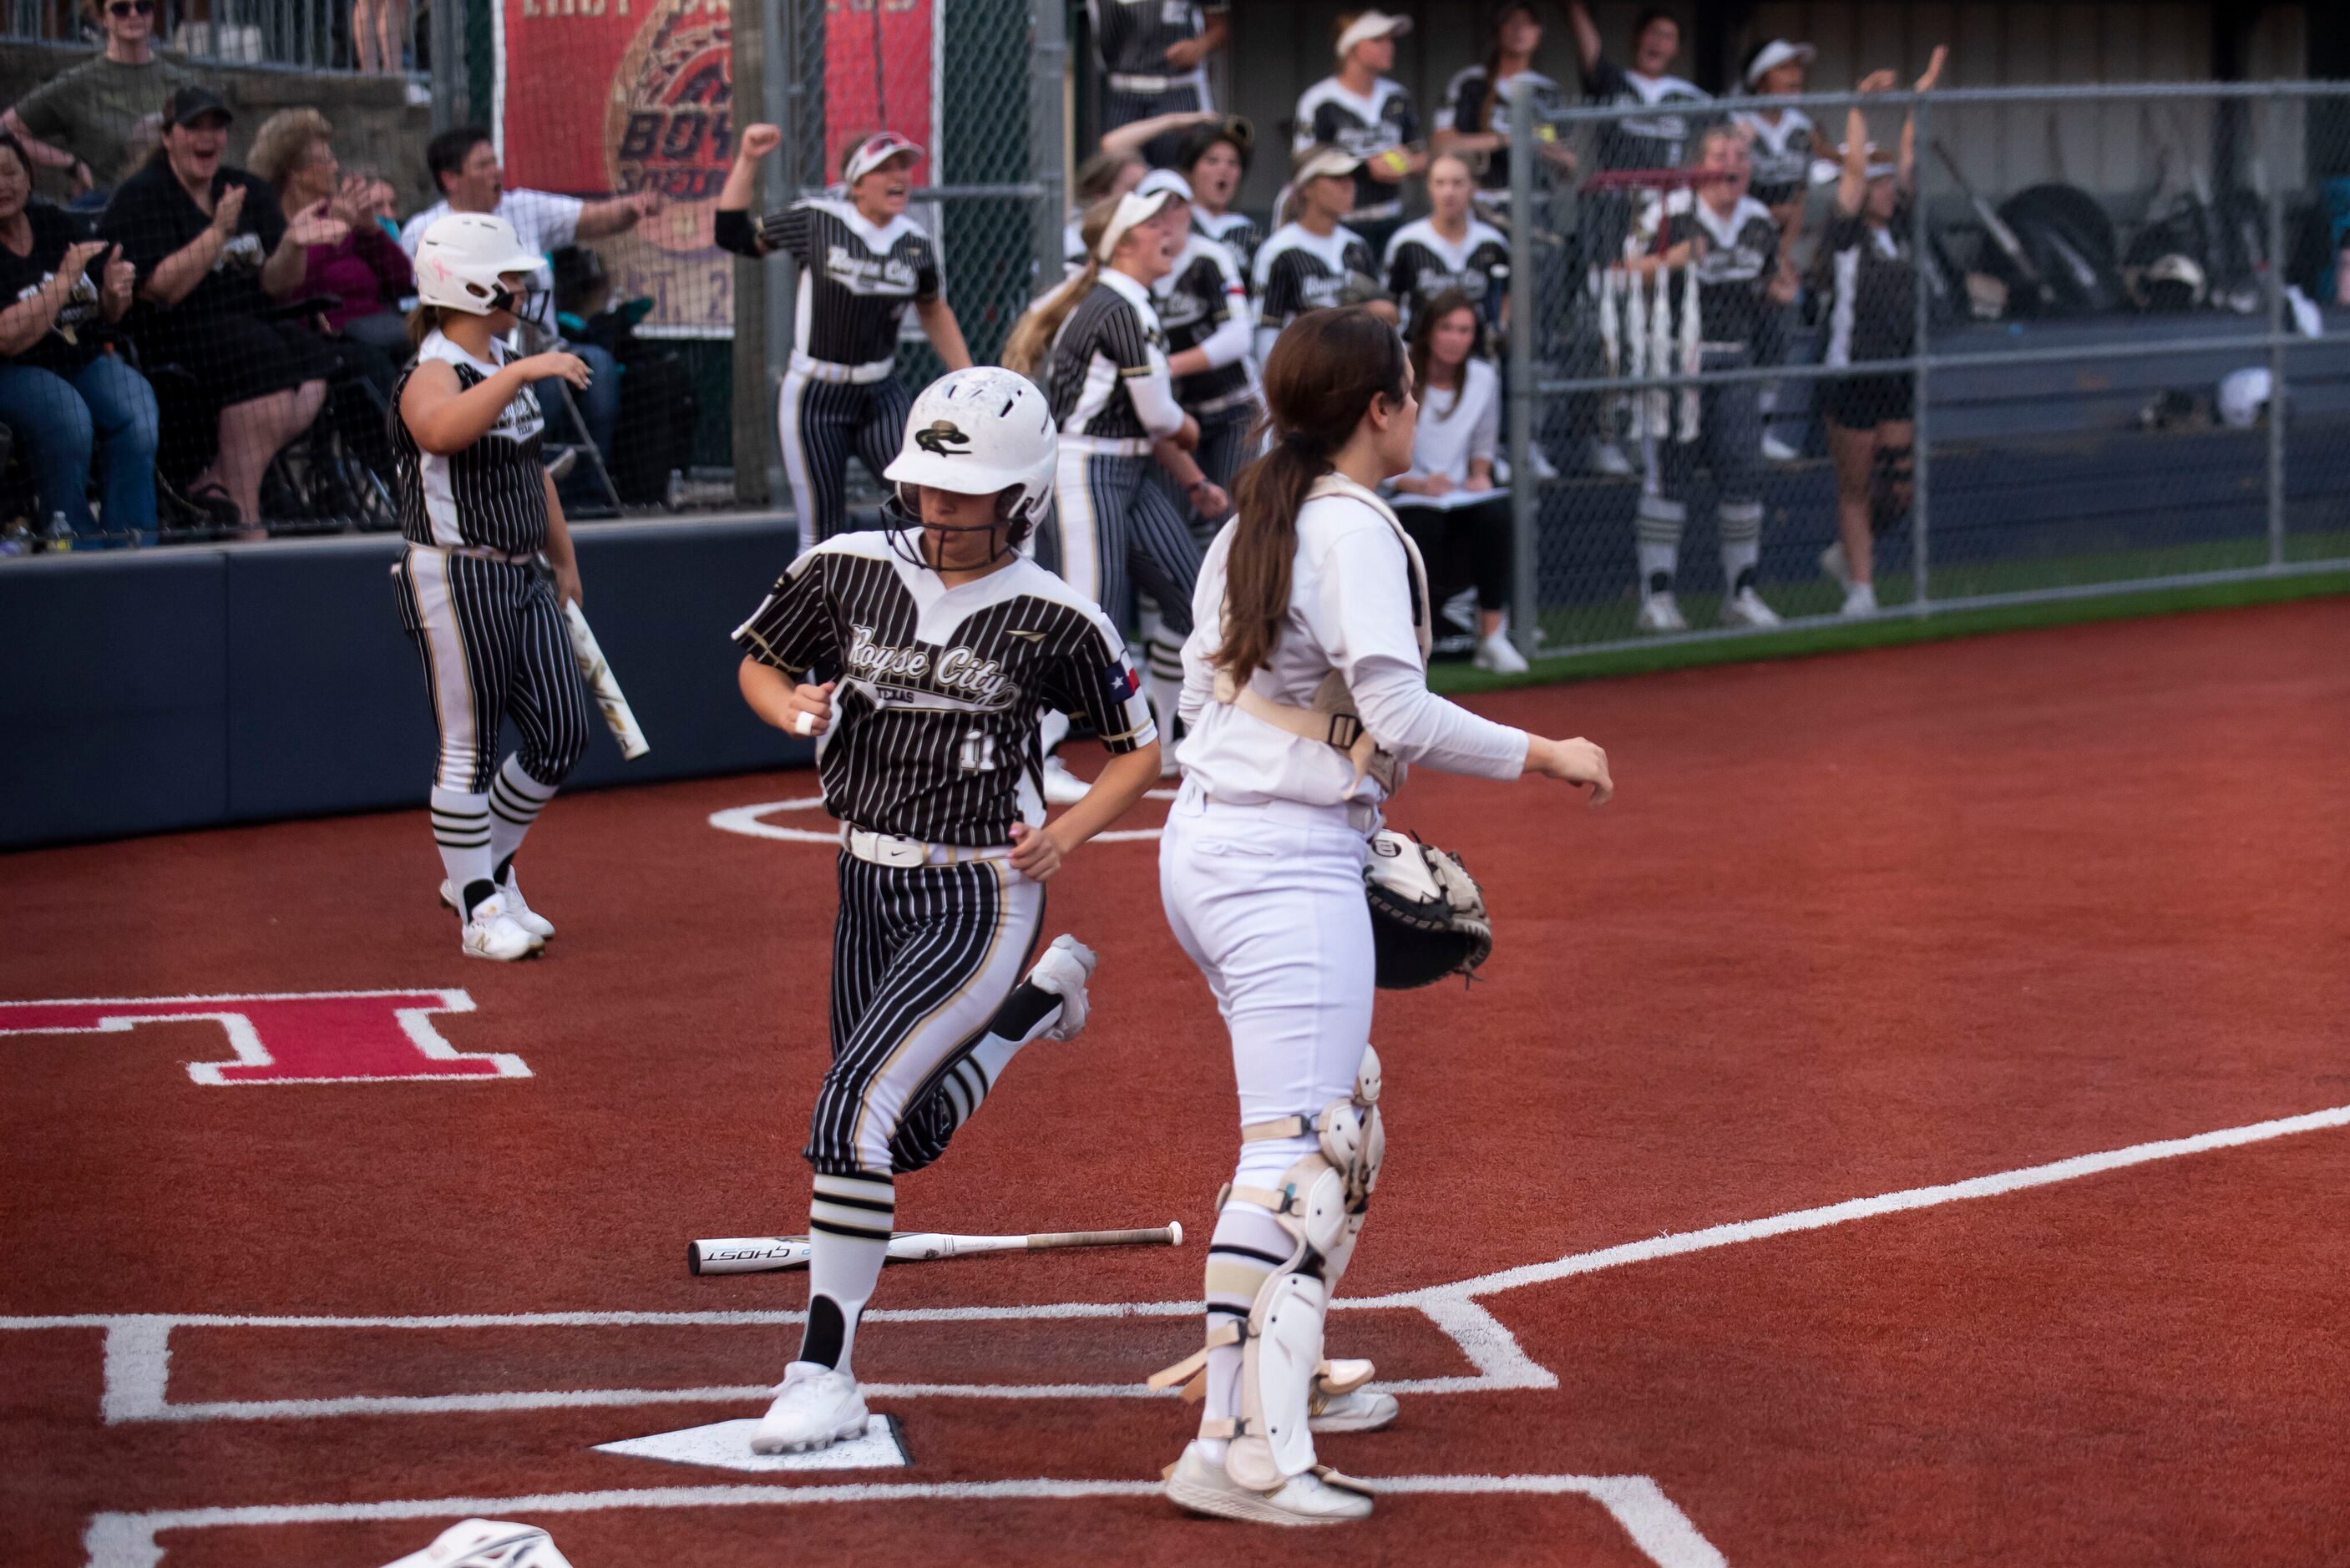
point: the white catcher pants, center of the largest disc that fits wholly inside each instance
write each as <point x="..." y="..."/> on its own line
<point x="1268" y="901"/>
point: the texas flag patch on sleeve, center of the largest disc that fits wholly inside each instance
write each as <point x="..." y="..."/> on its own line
<point x="1123" y="681"/>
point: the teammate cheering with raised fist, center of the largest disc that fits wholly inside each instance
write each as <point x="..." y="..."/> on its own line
<point x="1310" y="631"/>
<point x="923" y="656"/>
<point x="477" y="508"/>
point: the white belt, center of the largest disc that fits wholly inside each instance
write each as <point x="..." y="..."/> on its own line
<point x="482" y="553"/>
<point x="1107" y="446"/>
<point x="1124" y="83"/>
<point x="851" y="375"/>
<point x="889" y="849"/>
<point x="1238" y="397"/>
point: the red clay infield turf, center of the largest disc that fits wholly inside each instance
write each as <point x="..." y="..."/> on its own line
<point x="1857" y="926"/>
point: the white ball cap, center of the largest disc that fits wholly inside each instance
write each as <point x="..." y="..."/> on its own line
<point x="980" y="431"/>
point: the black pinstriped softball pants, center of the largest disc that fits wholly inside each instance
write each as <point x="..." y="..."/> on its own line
<point x="493" y="644"/>
<point x="822" y="423"/>
<point x="1112" y="521"/>
<point x="922" y="958"/>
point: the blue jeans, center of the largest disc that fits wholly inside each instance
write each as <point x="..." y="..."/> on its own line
<point x="57" y="419"/>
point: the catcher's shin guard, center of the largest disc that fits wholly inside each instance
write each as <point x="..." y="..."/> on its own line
<point x="1321" y="1203"/>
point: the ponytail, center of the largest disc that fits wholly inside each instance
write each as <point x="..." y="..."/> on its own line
<point x="1031" y="343"/>
<point x="1324" y="369"/>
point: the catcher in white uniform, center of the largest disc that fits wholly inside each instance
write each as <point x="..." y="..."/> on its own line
<point x="1306" y="693"/>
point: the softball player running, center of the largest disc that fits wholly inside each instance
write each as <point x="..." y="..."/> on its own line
<point x="477" y="508"/>
<point x="1311" y="622"/>
<point x="1097" y="344"/>
<point x="932" y="647"/>
<point x="861" y="261"/>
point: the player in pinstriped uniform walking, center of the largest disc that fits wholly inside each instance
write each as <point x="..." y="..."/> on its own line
<point x="862" y="261"/>
<point x="477" y="508"/>
<point x="923" y="656"/>
<point x="1097" y="344"/>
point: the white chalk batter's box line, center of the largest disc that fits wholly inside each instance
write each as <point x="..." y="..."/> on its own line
<point x="138" y="1366"/>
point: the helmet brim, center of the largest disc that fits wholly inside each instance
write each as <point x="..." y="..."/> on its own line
<point x="958" y="474"/>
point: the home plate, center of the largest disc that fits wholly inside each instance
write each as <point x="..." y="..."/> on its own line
<point x="726" y="1444"/>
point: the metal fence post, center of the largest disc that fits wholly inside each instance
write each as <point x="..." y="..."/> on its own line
<point x="449" y="79"/>
<point x="1525" y="510"/>
<point x="749" y="443"/>
<point x="1048" y="74"/>
<point x="2279" y="403"/>
<point x="1921" y="486"/>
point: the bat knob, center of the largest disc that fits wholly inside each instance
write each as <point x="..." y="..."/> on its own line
<point x="1175" y="1232"/>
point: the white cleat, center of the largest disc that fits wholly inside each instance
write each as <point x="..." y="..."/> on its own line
<point x="1608" y="458"/>
<point x="1745" y="608"/>
<point x="1318" y="1496"/>
<point x="1660" y="613"/>
<point x="814" y="1407"/>
<point x="1063" y="787"/>
<point x="1359" y="1411"/>
<point x="1834" y="568"/>
<point x="491" y="933"/>
<point x="1064" y="970"/>
<point x="1500" y="655"/>
<point x="521" y="914"/>
<point x="1776" y="450"/>
<point x="1859" y="602"/>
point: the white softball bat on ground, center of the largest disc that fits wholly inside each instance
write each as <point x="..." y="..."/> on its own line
<point x="618" y="715"/>
<point x="768" y="1254"/>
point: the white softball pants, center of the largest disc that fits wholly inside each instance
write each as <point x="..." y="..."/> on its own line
<point x="1268" y="901"/>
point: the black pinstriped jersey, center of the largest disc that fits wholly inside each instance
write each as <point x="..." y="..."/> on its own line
<point x="1298" y="270"/>
<point x="1201" y="293"/>
<point x="1473" y="108"/>
<point x="1236" y="233"/>
<point x="1328" y="111"/>
<point x="933" y="733"/>
<point x="1132" y="35"/>
<point x="1734" y="258"/>
<point x="1423" y="264"/>
<point x="856" y="280"/>
<point x="493" y="494"/>
<point x="1657" y="139"/>
<point x="1112" y="337"/>
<point x="1781" y="154"/>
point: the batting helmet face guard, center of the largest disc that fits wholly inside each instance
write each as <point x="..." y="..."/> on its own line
<point x="984" y="430"/>
<point x="463" y="260"/>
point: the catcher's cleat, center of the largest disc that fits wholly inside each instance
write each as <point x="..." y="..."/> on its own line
<point x="1064" y="970"/>
<point x="522" y="914"/>
<point x="491" y="933"/>
<point x="1361" y="1410"/>
<point x="1317" y="1496"/>
<point x="814" y="1407"/>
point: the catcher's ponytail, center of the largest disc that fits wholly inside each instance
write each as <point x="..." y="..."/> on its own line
<point x="1324" y="369"/>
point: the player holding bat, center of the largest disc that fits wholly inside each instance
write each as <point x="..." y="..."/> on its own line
<point x="477" y="509"/>
<point x="922" y="655"/>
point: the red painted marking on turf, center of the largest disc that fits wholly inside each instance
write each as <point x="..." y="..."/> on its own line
<point x="320" y="1038"/>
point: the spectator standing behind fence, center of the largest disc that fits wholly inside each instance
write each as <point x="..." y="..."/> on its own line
<point x="1153" y="55"/>
<point x="1447" y="501"/>
<point x="465" y="168"/>
<point x="1214" y="159"/>
<point x="62" y="388"/>
<point x="862" y="262"/>
<point x="1781" y="141"/>
<point x="98" y="120"/>
<point x="1370" y="114"/>
<point x="365" y="273"/>
<point x="380" y="35"/>
<point x="1473" y="122"/>
<point x="1450" y="251"/>
<point x="214" y="252"/>
<point x="1872" y="313"/>
<point x="1314" y="258"/>
<point x="1724" y="241"/>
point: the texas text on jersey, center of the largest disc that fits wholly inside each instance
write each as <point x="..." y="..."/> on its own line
<point x="493" y="494"/>
<point x="934" y="730"/>
<point x="858" y="279"/>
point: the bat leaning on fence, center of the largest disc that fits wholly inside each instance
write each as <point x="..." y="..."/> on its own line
<point x="603" y="687"/>
<point x="767" y="1254"/>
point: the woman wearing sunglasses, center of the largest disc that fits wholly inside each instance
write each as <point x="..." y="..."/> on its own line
<point x="98" y="119"/>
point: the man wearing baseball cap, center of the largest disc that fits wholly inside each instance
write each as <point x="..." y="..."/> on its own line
<point x="1364" y="112"/>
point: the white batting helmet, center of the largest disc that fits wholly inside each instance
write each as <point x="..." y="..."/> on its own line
<point x="982" y="431"/>
<point x="461" y="257"/>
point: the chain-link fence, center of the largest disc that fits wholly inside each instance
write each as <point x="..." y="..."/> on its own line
<point x="368" y="36"/>
<point x="2043" y="341"/>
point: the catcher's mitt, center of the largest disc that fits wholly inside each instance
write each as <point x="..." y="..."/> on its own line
<point x="1428" y="914"/>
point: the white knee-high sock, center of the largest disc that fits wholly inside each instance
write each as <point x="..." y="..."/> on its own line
<point x="461" y="827"/>
<point x="1657" y="526"/>
<point x="1742" y="543"/>
<point x="516" y="801"/>
<point x="1163" y="673"/>
<point x="850" y="1221"/>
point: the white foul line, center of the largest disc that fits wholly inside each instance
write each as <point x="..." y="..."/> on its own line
<point x="128" y="1540"/>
